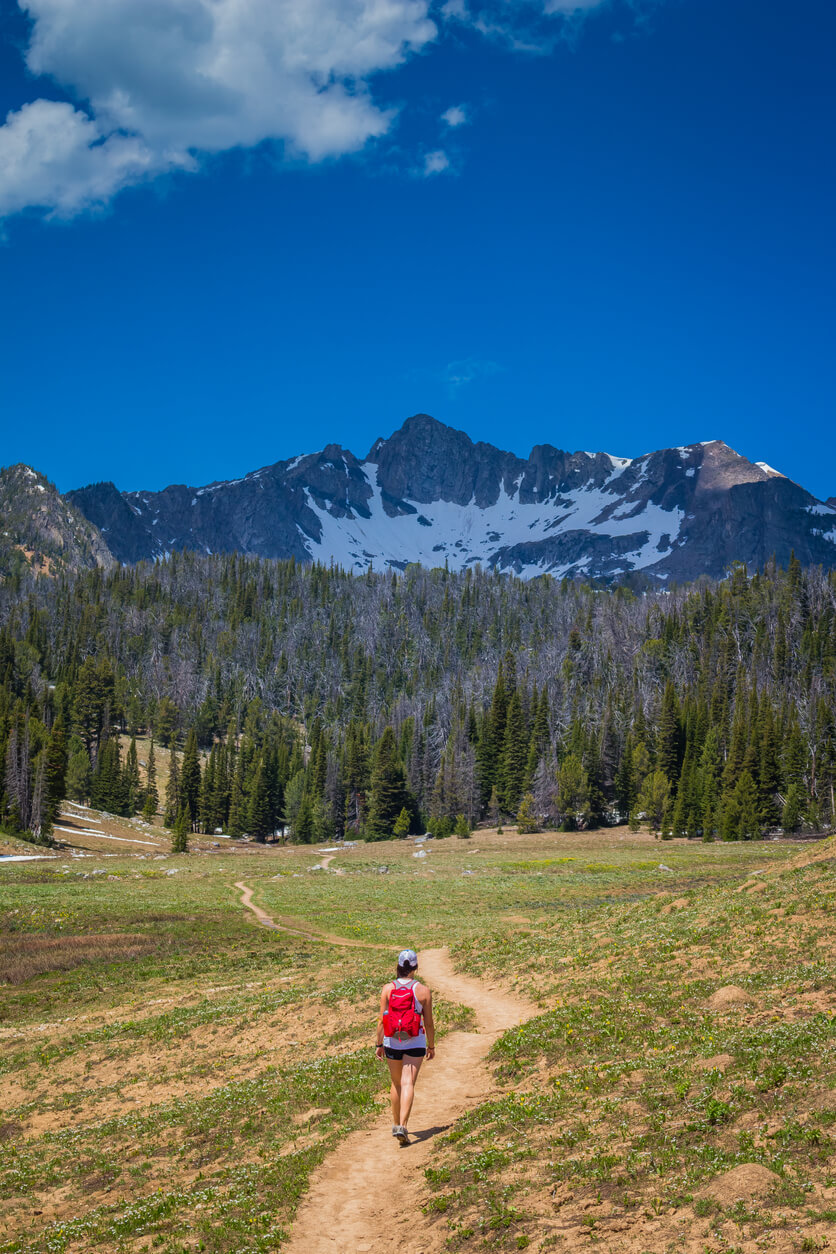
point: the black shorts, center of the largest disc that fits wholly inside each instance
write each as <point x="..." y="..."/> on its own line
<point x="400" y="1054"/>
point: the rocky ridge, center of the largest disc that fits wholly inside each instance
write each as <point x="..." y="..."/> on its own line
<point x="430" y="494"/>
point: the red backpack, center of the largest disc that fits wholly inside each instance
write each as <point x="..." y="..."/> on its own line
<point x="402" y="1020"/>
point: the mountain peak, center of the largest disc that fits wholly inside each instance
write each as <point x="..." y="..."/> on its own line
<point x="430" y="494"/>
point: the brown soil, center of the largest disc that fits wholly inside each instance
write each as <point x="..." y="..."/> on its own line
<point x="741" y="1184"/>
<point x="725" y="997"/>
<point x="720" y="1062"/>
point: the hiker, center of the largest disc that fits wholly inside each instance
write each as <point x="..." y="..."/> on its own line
<point x="405" y="1036"/>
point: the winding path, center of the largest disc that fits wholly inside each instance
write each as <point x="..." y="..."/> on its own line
<point x="291" y="926"/>
<point x="366" y="1197"/>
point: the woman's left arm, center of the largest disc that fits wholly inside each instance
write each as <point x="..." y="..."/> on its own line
<point x="429" y="1022"/>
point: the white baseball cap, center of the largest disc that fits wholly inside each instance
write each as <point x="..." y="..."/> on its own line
<point x="407" y="958"/>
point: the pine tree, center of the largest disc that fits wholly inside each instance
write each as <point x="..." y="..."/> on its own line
<point x="55" y="769"/>
<point x="181" y="829"/>
<point x="166" y="723"/>
<point x="768" y="767"/>
<point x="40" y="822"/>
<point x="190" y="778"/>
<point x="303" y="830"/>
<point x="79" y="772"/>
<point x="740" y="817"/>
<point x="259" y="821"/>
<point x="387" y="795"/>
<point x="173" y="803"/>
<point x="514" y="754"/>
<point x="526" y="817"/>
<point x="793" y="808"/>
<point x="152" y="797"/>
<point x="236" y="824"/>
<point x="654" y="799"/>
<point x="669" y="736"/>
<point x="109" y="786"/>
<point x="625" y="780"/>
<point x="402" y="823"/>
<point x="131" y="780"/>
<point x="493" y="808"/>
<point x="572" y="795"/>
<point x="709" y="785"/>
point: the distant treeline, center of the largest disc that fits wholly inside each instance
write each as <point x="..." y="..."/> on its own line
<point x="362" y="705"/>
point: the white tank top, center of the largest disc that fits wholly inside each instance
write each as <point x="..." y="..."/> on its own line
<point x="411" y="1042"/>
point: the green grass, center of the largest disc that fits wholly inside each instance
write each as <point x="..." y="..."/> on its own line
<point x="220" y="1162"/>
<point x="609" y="1094"/>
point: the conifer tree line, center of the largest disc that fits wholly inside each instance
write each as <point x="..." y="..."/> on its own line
<point x="374" y="705"/>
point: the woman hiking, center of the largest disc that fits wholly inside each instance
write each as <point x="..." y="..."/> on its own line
<point x="405" y="1036"/>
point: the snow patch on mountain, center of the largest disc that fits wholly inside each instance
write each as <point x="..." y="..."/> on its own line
<point x="464" y="535"/>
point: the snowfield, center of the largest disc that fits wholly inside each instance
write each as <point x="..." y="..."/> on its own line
<point x="463" y="535"/>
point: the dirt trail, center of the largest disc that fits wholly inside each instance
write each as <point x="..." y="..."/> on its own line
<point x="291" y="926"/>
<point x="367" y="1195"/>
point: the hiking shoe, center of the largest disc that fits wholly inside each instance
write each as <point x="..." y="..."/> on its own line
<point x="402" y="1135"/>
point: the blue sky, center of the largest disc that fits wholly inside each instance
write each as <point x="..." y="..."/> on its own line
<point x="625" y="241"/>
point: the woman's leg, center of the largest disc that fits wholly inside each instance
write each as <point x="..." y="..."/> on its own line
<point x="409" y="1074"/>
<point x="395" y="1069"/>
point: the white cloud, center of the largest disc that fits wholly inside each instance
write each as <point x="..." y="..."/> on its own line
<point x="163" y="80"/>
<point x="455" y="116"/>
<point x="436" y="163"/>
<point x="527" y="25"/>
<point x="160" y="83"/>
<point x="53" y="155"/>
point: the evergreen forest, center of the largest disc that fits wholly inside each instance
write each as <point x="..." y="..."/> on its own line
<point x="376" y="705"/>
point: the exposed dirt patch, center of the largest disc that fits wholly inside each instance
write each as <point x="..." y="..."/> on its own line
<point x="311" y="1116"/>
<point x="727" y="997"/>
<point x="749" y="1180"/>
<point x="720" y="1062"/>
<point x="681" y="903"/>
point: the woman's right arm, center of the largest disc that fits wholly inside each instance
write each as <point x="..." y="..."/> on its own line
<point x="384" y="1006"/>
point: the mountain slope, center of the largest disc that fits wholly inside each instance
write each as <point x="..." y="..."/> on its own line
<point x="430" y="494"/>
<point x="41" y="529"/>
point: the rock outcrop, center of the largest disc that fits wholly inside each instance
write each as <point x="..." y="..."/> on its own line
<point x="42" y="530"/>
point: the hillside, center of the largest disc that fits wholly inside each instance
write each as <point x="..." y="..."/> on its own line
<point x="347" y="705"/>
<point x="43" y="531"/>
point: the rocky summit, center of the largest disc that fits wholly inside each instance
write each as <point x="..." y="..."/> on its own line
<point x="429" y="494"/>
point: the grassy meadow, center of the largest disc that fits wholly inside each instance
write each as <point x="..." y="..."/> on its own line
<point x="171" y="1072"/>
